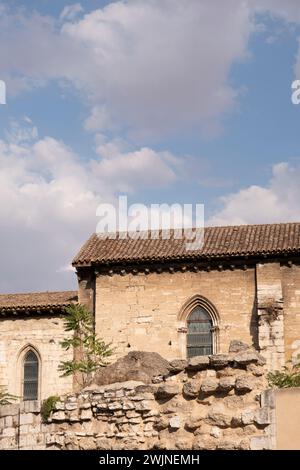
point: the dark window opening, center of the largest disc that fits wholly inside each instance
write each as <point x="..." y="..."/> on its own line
<point x="31" y="376"/>
<point x="199" y="333"/>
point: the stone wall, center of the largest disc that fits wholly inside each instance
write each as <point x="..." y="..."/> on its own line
<point x="209" y="403"/>
<point x="142" y="311"/>
<point x="291" y="295"/>
<point x="131" y="307"/>
<point x="43" y="334"/>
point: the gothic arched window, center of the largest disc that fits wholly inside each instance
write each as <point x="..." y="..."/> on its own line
<point x="199" y="333"/>
<point x="30" y="376"/>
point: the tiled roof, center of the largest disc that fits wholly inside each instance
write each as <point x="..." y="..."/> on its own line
<point x="219" y="242"/>
<point x="39" y="302"/>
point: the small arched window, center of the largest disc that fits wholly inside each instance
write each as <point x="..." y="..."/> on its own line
<point x="30" y="376"/>
<point x="199" y="333"/>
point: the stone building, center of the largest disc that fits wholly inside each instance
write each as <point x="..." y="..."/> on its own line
<point x="154" y="295"/>
<point x="31" y="327"/>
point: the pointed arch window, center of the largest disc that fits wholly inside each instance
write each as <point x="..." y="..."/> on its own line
<point x="199" y="333"/>
<point x="30" y="376"/>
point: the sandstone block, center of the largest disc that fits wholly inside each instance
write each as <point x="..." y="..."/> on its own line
<point x="259" y="443"/>
<point x="262" y="417"/>
<point x="26" y="418"/>
<point x="226" y="384"/>
<point x="209" y="385"/>
<point x="219" y="361"/>
<point x="198" y="363"/>
<point x="86" y="415"/>
<point x="178" y="365"/>
<point x="248" y="357"/>
<point x="9" y="410"/>
<point x="162" y="423"/>
<point x="175" y="422"/>
<point x="191" y="389"/>
<point x="228" y="444"/>
<point x="167" y="390"/>
<point x="237" y="346"/>
<point x="216" y="432"/>
<point x="59" y="406"/>
<point x="204" y="443"/>
<point x="247" y="417"/>
<point x="219" y="419"/>
<point x="244" y="383"/>
<point x="69" y="406"/>
<point x="87" y="443"/>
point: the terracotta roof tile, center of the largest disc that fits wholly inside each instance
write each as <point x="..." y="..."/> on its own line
<point x="219" y="242"/>
<point x="42" y="301"/>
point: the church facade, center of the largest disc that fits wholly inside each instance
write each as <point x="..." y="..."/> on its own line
<point x="153" y="295"/>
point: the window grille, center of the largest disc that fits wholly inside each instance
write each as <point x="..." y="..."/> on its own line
<point x="199" y="333"/>
<point x="31" y="376"/>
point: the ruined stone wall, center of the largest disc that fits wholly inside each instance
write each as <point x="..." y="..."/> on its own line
<point x="278" y="310"/>
<point x="209" y="403"/>
<point x="291" y="306"/>
<point x="141" y="312"/>
<point x="43" y="334"/>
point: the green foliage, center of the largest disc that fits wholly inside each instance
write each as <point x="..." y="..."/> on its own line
<point x="90" y="352"/>
<point x="288" y="377"/>
<point x="6" y="398"/>
<point x="48" y="406"/>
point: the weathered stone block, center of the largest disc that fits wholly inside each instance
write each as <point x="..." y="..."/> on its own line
<point x="237" y="346"/>
<point x="86" y="415"/>
<point x="219" y="361"/>
<point x="262" y="416"/>
<point x="167" y="390"/>
<point x="26" y="418"/>
<point x="58" y="416"/>
<point x="219" y="419"/>
<point x="191" y="389"/>
<point x="162" y="423"/>
<point x="69" y="406"/>
<point x="178" y="365"/>
<point x="226" y="384"/>
<point x="259" y="443"/>
<point x="247" y="417"/>
<point x="209" y="385"/>
<point x="204" y="443"/>
<point x="244" y="383"/>
<point x="248" y="357"/>
<point x="87" y="443"/>
<point x="198" y="363"/>
<point x="226" y="444"/>
<point x="9" y="410"/>
<point x="175" y="422"/>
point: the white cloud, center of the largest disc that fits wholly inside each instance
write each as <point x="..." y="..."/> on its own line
<point x="128" y="171"/>
<point x="288" y="10"/>
<point x="49" y="199"/>
<point x="71" y="11"/>
<point x="150" y="67"/>
<point x="277" y="202"/>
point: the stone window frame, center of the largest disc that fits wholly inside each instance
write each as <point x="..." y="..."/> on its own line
<point x="185" y="311"/>
<point x="21" y="359"/>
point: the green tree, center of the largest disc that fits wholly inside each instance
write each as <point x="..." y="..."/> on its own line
<point x="90" y="352"/>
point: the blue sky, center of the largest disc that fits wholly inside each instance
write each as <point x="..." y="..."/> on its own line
<point x="166" y="101"/>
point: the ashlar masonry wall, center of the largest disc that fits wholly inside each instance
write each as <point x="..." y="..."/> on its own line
<point x="43" y="335"/>
<point x="142" y="311"/>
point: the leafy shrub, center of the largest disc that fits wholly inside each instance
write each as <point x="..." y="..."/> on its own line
<point x="48" y="406"/>
<point x="288" y="377"/>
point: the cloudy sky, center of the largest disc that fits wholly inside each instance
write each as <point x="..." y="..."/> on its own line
<point x="184" y="101"/>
